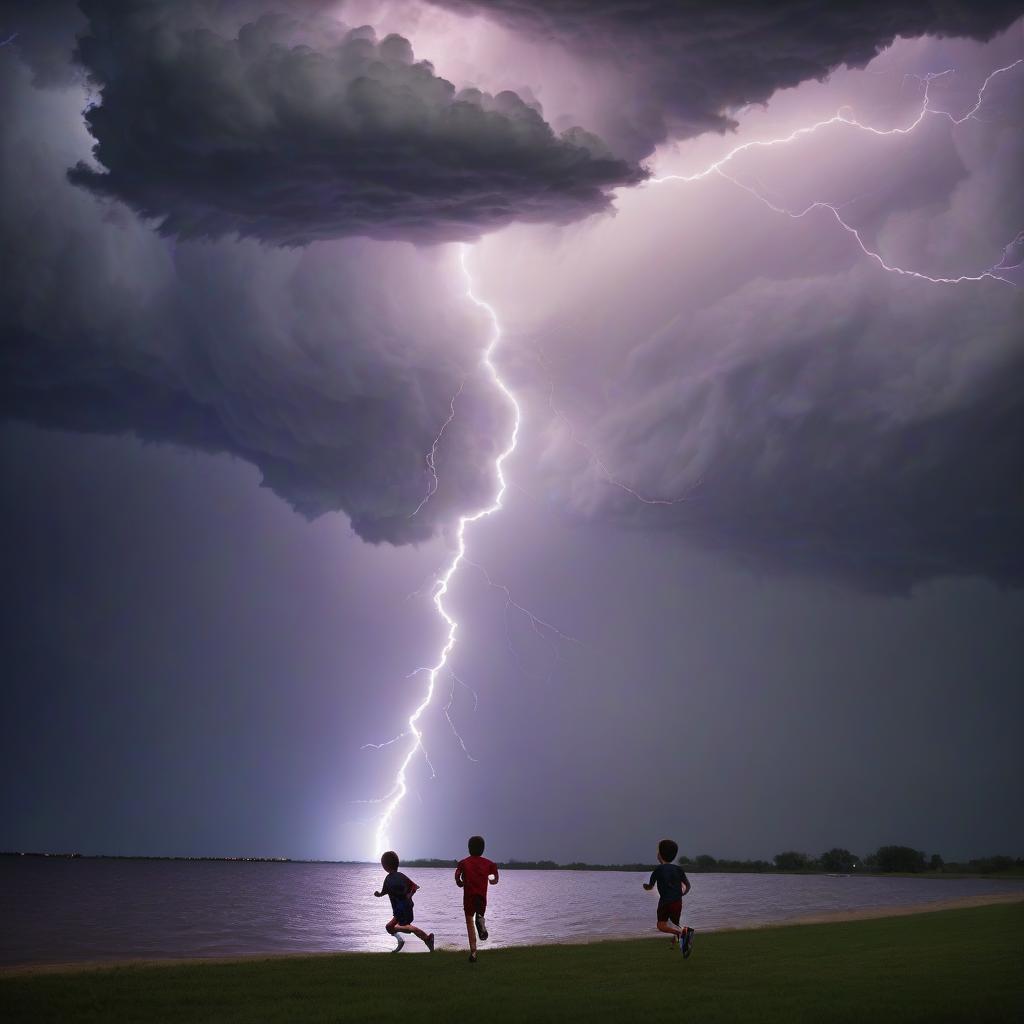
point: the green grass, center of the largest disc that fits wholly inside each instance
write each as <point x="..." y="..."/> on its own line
<point x="957" y="965"/>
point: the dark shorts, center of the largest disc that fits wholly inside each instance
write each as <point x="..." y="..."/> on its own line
<point x="670" y="910"/>
<point x="474" y="903"/>
<point x="403" y="912"/>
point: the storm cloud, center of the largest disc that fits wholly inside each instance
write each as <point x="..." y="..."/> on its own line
<point x="677" y="68"/>
<point x="816" y="413"/>
<point x="812" y="411"/>
<point x="330" y="368"/>
<point x="292" y="129"/>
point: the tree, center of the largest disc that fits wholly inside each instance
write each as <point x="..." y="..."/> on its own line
<point x="989" y="865"/>
<point x="706" y="862"/>
<point x="900" y="858"/>
<point x="838" y="859"/>
<point x="791" y="860"/>
<point x="936" y="863"/>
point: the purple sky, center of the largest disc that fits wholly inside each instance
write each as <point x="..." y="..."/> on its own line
<point x="820" y="644"/>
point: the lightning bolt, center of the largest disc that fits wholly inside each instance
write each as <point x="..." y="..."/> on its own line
<point x="431" y="456"/>
<point x="393" y="799"/>
<point x="842" y="118"/>
<point x="599" y="462"/>
<point x="443" y="583"/>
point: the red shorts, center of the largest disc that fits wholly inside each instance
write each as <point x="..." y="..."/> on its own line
<point x="670" y="911"/>
<point x="474" y="903"/>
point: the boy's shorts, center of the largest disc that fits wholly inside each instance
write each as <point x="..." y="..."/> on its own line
<point x="670" y="910"/>
<point x="403" y="912"/>
<point x="474" y="903"/>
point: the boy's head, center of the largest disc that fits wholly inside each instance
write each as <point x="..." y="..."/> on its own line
<point x="389" y="861"/>
<point x="476" y="846"/>
<point x="668" y="850"/>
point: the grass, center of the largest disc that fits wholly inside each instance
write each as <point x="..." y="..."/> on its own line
<point x="955" y="965"/>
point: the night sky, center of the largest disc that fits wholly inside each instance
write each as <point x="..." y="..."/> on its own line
<point x="756" y="581"/>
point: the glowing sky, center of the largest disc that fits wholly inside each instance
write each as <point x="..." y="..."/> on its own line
<point x="766" y="494"/>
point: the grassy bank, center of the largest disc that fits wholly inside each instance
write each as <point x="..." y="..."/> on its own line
<point x="947" y="966"/>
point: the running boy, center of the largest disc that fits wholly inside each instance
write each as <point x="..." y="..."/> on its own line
<point x="472" y="875"/>
<point x="400" y="888"/>
<point x="670" y="879"/>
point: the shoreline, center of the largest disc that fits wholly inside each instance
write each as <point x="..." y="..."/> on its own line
<point x="826" y="917"/>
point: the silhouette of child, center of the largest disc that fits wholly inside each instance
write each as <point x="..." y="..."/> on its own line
<point x="472" y="875"/>
<point x="671" y="879"/>
<point x="400" y="888"/>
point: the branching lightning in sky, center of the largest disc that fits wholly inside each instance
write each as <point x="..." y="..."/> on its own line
<point x="432" y="454"/>
<point x="443" y="583"/>
<point x="1012" y="258"/>
<point x="993" y="272"/>
<point x="602" y="466"/>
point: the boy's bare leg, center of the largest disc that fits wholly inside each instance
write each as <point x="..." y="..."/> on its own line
<point x="671" y="929"/>
<point x="392" y="928"/>
<point x="471" y="932"/>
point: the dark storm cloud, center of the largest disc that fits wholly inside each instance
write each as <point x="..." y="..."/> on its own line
<point x="684" y="66"/>
<point x="817" y="412"/>
<point x="291" y="130"/>
<point x="43" y="35"/>
<point x="834" y="432"/>
<point x="330" y="368"/>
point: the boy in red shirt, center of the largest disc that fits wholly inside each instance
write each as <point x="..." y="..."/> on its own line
<point x="472" y="875"/>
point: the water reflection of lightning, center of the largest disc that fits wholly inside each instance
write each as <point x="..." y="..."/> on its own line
<point x="443" y="582"/>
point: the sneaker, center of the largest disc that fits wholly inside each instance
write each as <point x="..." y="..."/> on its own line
<point x="688" y="943"/>
<point x="472" y="958"/>
<point x="481" y="928"/>
<point x="401" y="943"/>
<point x="429" y="940"/>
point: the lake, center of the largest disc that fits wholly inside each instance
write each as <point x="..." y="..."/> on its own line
<point x="58" y="911"/>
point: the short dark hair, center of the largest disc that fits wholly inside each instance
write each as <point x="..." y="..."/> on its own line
<point x="669" y="850"/>
<point x="389" y="861"/>
<point x="476" y="846"/>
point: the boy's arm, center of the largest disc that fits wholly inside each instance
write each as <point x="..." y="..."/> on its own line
<point x="493" y="877"/>
<point x="649" y="885"/>
<point x="411" y="888"/>
<point x="686" y="882"/>
<point x="460" y="874"/>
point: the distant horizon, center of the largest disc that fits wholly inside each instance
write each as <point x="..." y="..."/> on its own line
<point x="276" y="858"/>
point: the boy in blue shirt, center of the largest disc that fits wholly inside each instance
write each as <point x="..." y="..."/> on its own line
<point x="400" y="889"/>
<point x="672" y="885"/>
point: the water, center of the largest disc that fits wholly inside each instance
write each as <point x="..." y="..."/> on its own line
<point x="58" y="911"/>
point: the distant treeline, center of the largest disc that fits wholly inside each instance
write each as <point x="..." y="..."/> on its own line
<point x="886" y="859"/>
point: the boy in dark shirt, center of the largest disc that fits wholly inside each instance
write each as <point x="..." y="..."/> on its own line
<point x="472" y="875"/>
<point x="671" y="880"/>
<point x="400" y="888"/>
